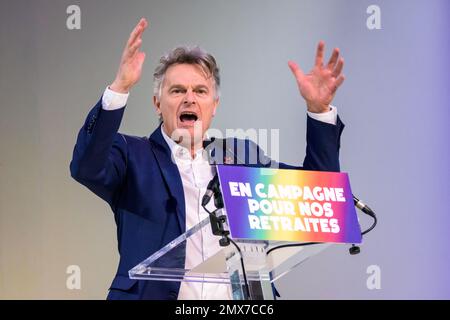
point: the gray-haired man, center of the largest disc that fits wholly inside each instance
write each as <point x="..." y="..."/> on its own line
<point x="154" y="185"/>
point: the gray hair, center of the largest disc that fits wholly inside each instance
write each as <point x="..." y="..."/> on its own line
<point x="189" y="55"/>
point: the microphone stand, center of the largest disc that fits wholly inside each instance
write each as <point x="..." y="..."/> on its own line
<point x="218" y="229"/>
<point x="218" y="222"/>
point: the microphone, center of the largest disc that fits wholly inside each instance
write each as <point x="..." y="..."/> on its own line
<point x="363" y="207"/>
<point x="211" y="189"/>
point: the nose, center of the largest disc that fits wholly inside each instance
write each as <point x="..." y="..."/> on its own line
<point x="189" y="98"/>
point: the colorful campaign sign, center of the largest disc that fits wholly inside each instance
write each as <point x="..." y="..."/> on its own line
<point x="289" y="205"/>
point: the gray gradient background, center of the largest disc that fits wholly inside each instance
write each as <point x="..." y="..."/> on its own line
<point x="395" y="146"/>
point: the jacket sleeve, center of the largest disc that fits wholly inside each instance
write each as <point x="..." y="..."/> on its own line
<point x="323" y="141"/>
<point x="99" y="158"/>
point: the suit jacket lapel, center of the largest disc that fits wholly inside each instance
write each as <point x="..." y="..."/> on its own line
<point x="170" y="174"/>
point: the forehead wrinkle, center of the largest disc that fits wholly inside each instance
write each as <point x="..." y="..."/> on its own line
<point x="206" y="79"/>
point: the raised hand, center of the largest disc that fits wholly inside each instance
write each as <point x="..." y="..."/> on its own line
<point x="130" y="68"/>
<point x="319" y="86"/>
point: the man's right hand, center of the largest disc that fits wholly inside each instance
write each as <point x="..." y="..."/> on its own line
<point x="130" y="68"/>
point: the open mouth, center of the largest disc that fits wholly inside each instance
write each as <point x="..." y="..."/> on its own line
<point x="188" y="117"/>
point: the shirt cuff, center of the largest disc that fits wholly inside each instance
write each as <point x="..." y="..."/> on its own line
<point x="112" y="100"/>
<point x="328" y="117"/>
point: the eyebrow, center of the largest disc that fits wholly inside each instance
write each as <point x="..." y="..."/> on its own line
<point x="182" y="86"/>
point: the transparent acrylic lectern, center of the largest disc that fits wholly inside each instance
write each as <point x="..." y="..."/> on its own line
<point x="225" y="265"/>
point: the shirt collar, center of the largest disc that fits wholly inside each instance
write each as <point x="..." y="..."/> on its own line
<point x="180" y="152"/>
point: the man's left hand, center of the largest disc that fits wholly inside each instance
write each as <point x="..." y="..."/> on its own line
<point x="319" y="86"/>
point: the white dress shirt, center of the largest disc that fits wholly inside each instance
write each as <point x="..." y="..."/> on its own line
<point x="195" y="175"/>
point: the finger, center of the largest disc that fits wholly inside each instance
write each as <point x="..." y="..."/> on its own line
<point x="319" y="53"/>
<point x="296" y="71"/>
<point x="339" y="81"/>
<point x="133" y="49"/>
<point x="337" y="71"/>
<point x="333" y="59"/>
<point x="134" y="33"/>
<point x="137" y="31"/>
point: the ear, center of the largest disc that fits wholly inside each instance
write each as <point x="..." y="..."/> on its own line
<point x="215" y="107"/>
<point x="157" y="105"/>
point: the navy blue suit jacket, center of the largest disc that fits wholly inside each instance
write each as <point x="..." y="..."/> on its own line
<point x="137" y="178"/>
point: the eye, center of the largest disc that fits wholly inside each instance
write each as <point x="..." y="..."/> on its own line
<point x="202" y="91"/>
<point x="176" y="91"/>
